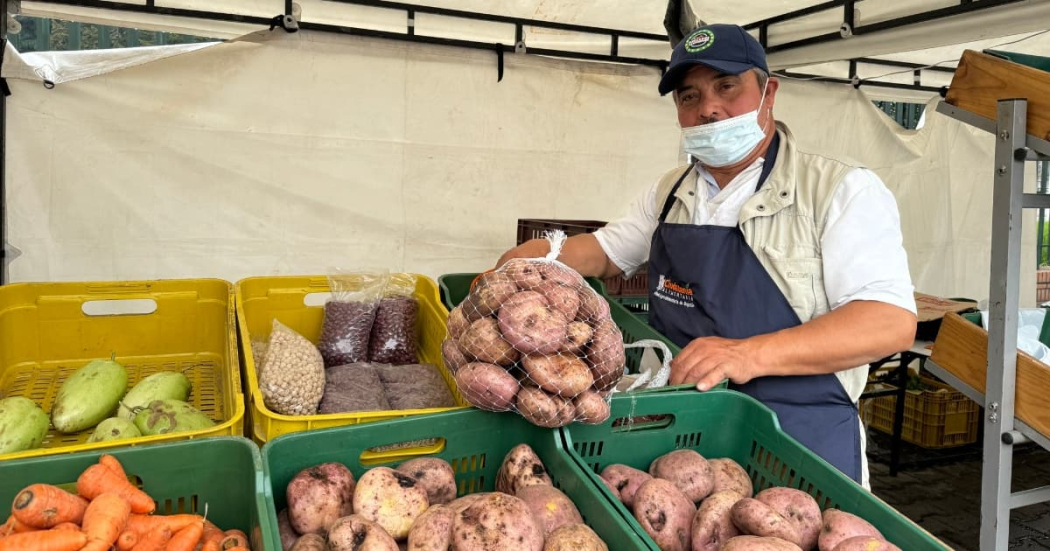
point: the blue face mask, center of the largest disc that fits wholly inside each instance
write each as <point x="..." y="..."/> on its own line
<point x="725" y="142"/>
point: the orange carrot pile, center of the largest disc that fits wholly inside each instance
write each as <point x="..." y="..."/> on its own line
<point x="107" y="512"/>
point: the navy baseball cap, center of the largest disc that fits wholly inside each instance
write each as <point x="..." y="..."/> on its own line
<point x="725" y="48"/>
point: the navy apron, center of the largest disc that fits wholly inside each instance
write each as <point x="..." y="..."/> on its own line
<point x="706" y="281"/>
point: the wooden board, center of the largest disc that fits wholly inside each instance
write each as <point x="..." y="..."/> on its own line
<point x="981" y="80"/>
<point x="962" y="349"/>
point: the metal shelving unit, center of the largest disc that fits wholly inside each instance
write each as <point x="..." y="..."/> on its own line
<point x="1002" y="431"/>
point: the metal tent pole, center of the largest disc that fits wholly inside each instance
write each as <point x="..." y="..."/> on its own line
<point x="1007" y="205"/>
<point x="3" y="158"/>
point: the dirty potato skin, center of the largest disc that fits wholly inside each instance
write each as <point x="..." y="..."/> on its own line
<point x="483" y="341"/>
<point x="713" y="525"/>
<point x="356" y="533"/>
<point x="551" y="507"/>
<point x="531" y="326"/>
<point x="521" y="467"/>
<point x="432" y="531"/>
<point x="524" y="273"/>
<point x="562" y="374"/>
<point x="665" y="513"/>
<point x="591" y="408"/>
<point x="543" y="409"/>
<point x="487" y="386"/>
<point x="799" y="507"/>
<point x="579" y="335"/>
<point x="391" y="499"/>
<point x="606" y="355"/>
<point x="593" y="308"/>
<point x="689" y="471"/>
<point x="729" y="475"/>
<point x="865" y="543"/>
<point x="310" y="542"/>
<point x="755" y="518"/>
<point x="574" y="537"/>
<point x="491" y="291"/>
<point x="434" y="475"/>
<point x="838" y="526"/>
<point x="496" y="521"/>
<point x="757" y="543"/>
<point x="284" y="526"/>
<point x="561" y="298"/>
<point x="318" y="496"/>
<point x="457" y="322"/>
<point x="453" y="356"/>
<point x="626" y="480"/>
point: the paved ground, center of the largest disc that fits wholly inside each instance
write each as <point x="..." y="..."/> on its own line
<point x="941" y="491"/>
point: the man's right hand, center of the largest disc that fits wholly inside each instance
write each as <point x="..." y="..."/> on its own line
<point x="533" y="248"/>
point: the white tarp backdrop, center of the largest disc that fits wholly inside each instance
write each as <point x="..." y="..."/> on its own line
<point x="305" y="151"/>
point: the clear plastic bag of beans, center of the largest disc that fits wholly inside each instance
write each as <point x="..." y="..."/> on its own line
<point x="395" y="337"/>
<point x="349" y="315"/>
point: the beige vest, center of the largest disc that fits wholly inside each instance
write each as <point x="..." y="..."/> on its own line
<point x="783" y="223"/>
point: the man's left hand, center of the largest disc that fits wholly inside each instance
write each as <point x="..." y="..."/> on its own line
<point x="706" y="361"/>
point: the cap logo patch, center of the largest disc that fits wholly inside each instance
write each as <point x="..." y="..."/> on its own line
<point x="700" y="41"/>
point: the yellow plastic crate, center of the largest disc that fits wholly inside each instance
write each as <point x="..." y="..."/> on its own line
<point x="932" y="419"/>
<point x="48" y="330"/>
<point x="298" y="302"/>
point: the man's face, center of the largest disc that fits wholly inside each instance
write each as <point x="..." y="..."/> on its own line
<point x="706" y="95"/>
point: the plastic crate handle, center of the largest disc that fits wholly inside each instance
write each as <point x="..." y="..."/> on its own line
<point x="119" y="307"/>
<point x="401" y="451"/>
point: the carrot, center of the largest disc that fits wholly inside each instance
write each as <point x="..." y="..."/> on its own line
<point x="127" y="540"/>
<point x="44" y="506"/>
<point x="156" y="540"/>
<point x="239" y="548"/>
<point x="187" y="538"/>
<point x="15" y="527"/>
<point x="211" y="546"/>
<point x="44" y="540"/>
<point x="143" y="524"/>
<point x="113" y="464"/>
<point x="99" y="479"/>
<point x="66" y="526"/>
<point x="212" y="532"/>
<point x="104" y="520"/>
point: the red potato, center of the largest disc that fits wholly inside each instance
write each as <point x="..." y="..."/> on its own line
<point x="482" y="341"/>
<point x="729" y="475"/>
<point x="461" y="503"/>
<point x="531" y="326"/>
<point x="561" y="274"/>
<point x="593" y="307"/>
<point x="688" y="470"/>
<point x="799" y="507"/>
<point x="757" y="543"/>
<point x="432" y="531"/>
<point x="551" y="507"/>
<point x="434" y="475"/>
<point x="591" y="408"/>
<point x="452" y="355"/>
<point x="713" y="523"/>
<point x="543" y="409"/>
<point x="606" y="355"/>
<point x="356" y="533"/>
<point x="491" y="291"/>
<point x="309" y="542"/>
<point x="626" y="480"/>
<point x="579" y="335"/>
<point x="574" y="537"/>
<point x="524" y="273"/>
<point x="612" y="489"/>
<point x="318" y="496"/>
<point x="288" y="535"/>
<point x="865" y="543"/>
<point x="665" y="513"/>
<point x="561" y="298"/>
<point x="521" y="467"/>
<point x="564" y="375"/>
<point x="755" y="518"/>
<point x="497" y="521"/>
<point x="487" y="386"/>
<point x="838" y="526"/>
<point x="391" y="499"/>
<point x="457" y="323"/>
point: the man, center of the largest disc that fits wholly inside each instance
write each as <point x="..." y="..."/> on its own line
<point x="778" y="269"/>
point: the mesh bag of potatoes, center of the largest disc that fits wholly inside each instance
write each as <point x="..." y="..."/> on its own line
<point x="535" y="338"/>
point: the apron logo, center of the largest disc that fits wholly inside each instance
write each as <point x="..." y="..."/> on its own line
<point x="700" y="41"/>
<point x="675" y="293"/>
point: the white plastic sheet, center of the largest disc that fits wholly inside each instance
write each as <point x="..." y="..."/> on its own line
<point x="1029" y="325"/>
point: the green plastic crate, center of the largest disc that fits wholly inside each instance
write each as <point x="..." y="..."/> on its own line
<point x="455" y="287"/>
<point x="223" y="473"/>
<point x="473" y="441"/>
<point x="726" y="423"/>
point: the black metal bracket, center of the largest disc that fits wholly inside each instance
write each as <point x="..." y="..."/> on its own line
<point x="499" y="62"/>
<point x="286" y="22"/>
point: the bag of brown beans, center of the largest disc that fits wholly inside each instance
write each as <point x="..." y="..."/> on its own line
<point x="349" y="315"/>
<point x="395" y="336"/>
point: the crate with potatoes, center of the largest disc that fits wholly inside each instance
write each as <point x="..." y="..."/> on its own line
<point x="494" y="481"/>
<point x="351" y="346"/>
<point x="714" y="471"/>
<point x="91" y="365"/>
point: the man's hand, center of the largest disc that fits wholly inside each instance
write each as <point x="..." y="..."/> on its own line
<point x="533" y="248"/>
<point x="706" y="361"/>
